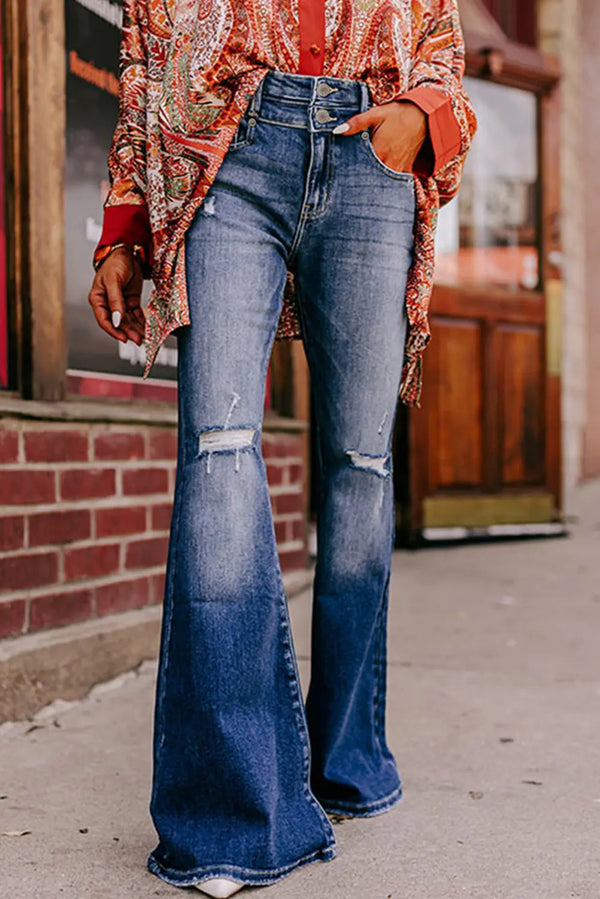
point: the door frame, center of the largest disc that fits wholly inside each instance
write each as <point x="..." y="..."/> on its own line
<point x="526" y="68"/>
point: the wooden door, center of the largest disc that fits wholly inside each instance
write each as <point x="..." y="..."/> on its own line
<point x="483" y="450"/>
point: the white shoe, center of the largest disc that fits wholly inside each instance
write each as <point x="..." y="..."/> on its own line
<point x="219" y="887"/>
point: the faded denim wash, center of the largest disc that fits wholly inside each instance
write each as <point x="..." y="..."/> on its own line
<point x="244" y="771"/>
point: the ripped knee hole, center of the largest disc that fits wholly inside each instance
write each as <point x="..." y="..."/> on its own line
<point x="377" y="464"/>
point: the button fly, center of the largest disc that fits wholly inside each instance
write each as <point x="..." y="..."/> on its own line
<point x="324" y="89"/>
<point x="322" y="115"/>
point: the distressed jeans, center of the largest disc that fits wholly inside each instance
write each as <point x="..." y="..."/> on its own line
<point x="245" y="771"/>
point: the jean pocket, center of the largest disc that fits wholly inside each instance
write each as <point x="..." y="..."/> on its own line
<point x="370" y="150"/>
<point x="244" y="134"/>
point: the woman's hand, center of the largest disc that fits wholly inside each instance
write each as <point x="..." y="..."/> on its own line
<point x="398" y="132"/>
<point x="115" y="296"/>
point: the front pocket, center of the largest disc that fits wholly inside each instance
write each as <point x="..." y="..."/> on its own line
<point x="244" y="134"/>
<point x="368" y="144"/>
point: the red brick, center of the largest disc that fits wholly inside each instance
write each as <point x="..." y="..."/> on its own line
<point x="296" y="473"/>
<point x="140" y="481"/>
<point x="87" y="483"/>
<point x="28" y="570"/>
<point x="119" y="445"/>
<point x="12" y="530"/>
<point x="283" y="446"/>
<point x="294" y="560"/>
<point x="274" y="474"/>
<point x="268" y="443"/>
<point x="56" y="446"/>
<point x="271" y="448"/>
<point x="26" y="487"/>
<point x="146" y="553"/>
<point x="286" y="503"/>
<point x="292" y="444"/>
<point x="60" y="609"/>
<point x="157" y="588"/>
<point x="9" y="445"/>
<point x="298" y="529"/>
<point x="161" y="517"/>
<point x="52" y="528"/>
<point x="12" y="617"/>
<point x="163" y="444"/>
<point x="122" y="595"/>
<point x="120" y="520"/>
<point x="91" y="561"/>
<point x="281" y="531"/>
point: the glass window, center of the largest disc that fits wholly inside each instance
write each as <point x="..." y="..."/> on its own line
<point x="489" y="233"/>
<point x="93" y="32"/>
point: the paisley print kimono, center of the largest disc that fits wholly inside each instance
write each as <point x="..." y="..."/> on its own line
<point x="188" y="71"/>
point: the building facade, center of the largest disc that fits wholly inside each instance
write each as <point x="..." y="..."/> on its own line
<point x="510" y="421"/>
<point x="87" y="450"/>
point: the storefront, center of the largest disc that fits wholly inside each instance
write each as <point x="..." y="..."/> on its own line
<point x="484" y="451"/>
<point x="87" y="449"/>
<point x="94" y="363"/>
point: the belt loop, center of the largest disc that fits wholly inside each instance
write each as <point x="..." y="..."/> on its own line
<point x="255" y="102"/>
<point x="365" y="98"/>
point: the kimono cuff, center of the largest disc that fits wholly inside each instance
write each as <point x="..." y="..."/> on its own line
<point x="443" y="140"/>
<point x="127" y="225"/>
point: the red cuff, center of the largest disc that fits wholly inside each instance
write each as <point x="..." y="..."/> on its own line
<point x="444" y="139"/>
<point x="311" y="21"/>
<point x="128" y="224"/>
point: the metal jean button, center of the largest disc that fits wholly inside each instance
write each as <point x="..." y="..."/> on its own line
<point x="324" y="89"/>
<point x="323" y="115"/>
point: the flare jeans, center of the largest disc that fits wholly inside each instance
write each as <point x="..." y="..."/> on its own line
<point x="245" y="771"/>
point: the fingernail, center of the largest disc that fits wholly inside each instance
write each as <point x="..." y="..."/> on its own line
<point x="339" y="129"/>
<point x="116" y="318"/>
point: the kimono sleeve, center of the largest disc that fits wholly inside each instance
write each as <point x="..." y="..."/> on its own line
<point x="126" y="217"/>
<point x="438" y="62"/>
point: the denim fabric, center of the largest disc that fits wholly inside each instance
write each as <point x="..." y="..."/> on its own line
<point x="244" y="771"/>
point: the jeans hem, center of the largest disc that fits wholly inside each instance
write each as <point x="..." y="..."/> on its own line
<point x="366" y="810"/>
<point x="248" y="876"/>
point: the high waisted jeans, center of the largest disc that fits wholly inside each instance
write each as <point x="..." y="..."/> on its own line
<point x="244" y="771"/>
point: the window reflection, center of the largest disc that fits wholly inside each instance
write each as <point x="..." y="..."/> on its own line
<point x="489" y="233"/>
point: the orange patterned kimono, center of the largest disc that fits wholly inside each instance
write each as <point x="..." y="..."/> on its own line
<point x="188" y="71"/>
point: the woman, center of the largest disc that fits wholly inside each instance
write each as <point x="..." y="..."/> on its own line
<point x="277" y="169"/>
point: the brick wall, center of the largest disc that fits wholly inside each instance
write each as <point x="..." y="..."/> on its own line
<point x="85" y="512"/>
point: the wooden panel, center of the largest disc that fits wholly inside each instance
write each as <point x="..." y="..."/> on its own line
<point x="301" y="411"/>
<point x="46" y="137"/>
<point x="455" y="404"/>
<point x="485" y="447"/>
<point x="513" y="64"/>
<point x="15" y="160"/>
<point x="281" y="398"/>
<point x="521" y="380"/>
<point x="35" y="159"/>
<point x="490" y="303"/>
<point x="517" y="19"/>
<point x="550" y="199"/>
<point x="484" y="511"/>
<point x="3" y="303"/>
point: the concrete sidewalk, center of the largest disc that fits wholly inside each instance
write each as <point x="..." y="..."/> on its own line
<point x="494" y="717"/>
